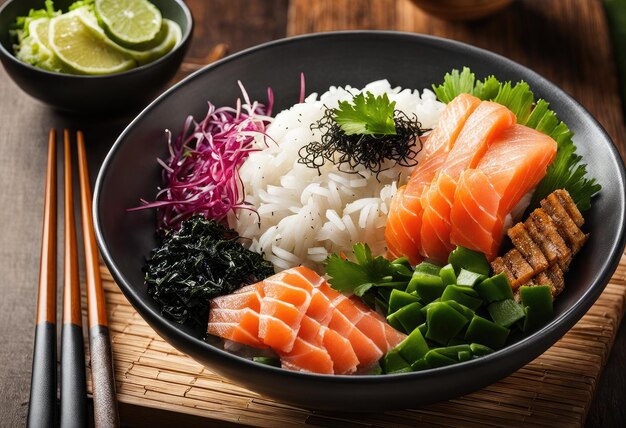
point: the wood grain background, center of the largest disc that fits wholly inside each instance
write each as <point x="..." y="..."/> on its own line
<point x="564" y="40"/>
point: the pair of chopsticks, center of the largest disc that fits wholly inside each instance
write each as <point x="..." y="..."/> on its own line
<point x="42" y="410"/>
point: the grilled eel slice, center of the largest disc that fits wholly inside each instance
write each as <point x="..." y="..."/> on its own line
<point x="544" y="244"/>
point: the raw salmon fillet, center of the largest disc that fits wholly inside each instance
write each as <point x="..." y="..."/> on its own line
<point x="295" y="313"/>
<point x="318" y="349"/>
<point x="487" y="121"/>
<point x="513" y="165"/>
<point x="238" y="325"/>
<point x="308" y="353"/>
<point x="402" y="230"/>
<point x="366" y="350"/>
<point x="342" y="331"/>
<point x="282" y="309"/>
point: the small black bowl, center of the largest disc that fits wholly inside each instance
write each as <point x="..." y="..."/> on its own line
<point x="108" y="94"/>
<point x="130" y="172"/>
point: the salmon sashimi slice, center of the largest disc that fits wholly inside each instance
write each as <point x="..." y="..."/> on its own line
<point x="238" y="325"/>
<point x="239" y="300"/>
<point x="513" y="165"/>
<point x="345" y="360"/>
<point x="282" y="308"/>
<point x="484" y="124"/>
<point x="318" y="315"/>
<point x="402" y="231"/>
<point x="404" y="214"/>
<point x="308" y="353"/>
<point x="307" y="357"/>
<point x="364" y="348"/>
<point x="320" y="308"/>
<point x="372" y="324"/>
<point x="299" y="320"/>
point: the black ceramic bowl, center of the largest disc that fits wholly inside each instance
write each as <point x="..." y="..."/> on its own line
<point x="130" y="172"/>
<point x="110" y="94"/>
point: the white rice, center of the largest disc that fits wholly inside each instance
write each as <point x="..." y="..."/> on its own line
<point x="302" y="216"/>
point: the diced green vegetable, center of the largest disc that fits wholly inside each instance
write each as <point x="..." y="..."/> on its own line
<point x="453" y="351"/>
<point x="537" y="303"/>
<point x="495" y="288"/>
<point x="459" y="339"/>
<point x="479" y="350"/>
<point x="468" y="278"/>
<point x="413" y="347"/>
<point x="473" y="261"/>
<point x="270" y="361"/>
<point x="410" y="316"/>
<point x="464" y="356"/>
<point x="423" y="328"/>
<point x="429" y="268"/>
<point x="435" y="359"/>
<point x="401" y="261"/>
<point x="394" y="363"/>
<point x="425" y="308"/>
<point x="399" y="299"/>
<point x="393" y="321"/>
<point x="485" y="332"/>
<point x="448" y="275"/>
<point x="463" y="295"/>
<point x="428" y="286"/>
<point x="462" y="309"/>
<point x="420" y="364"/>
<point x="506" y="312"/>
<point x="443" y="323"/>
<point x="402" y="267"/>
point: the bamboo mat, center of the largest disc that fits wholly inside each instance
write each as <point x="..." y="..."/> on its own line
<point x="554" y="390"/>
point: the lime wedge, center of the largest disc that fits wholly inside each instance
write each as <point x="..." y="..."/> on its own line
<point x="172" y="37"/>
<point x="129" y="23"/>
<point x="83" y="50"/>
<point x="35" y="49"/>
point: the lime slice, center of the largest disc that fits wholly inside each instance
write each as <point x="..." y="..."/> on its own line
<point x="83" y="50"/>
<point x="172" y="37"/>
<point x="130" y="23"/>
<point x="35" y="49"/>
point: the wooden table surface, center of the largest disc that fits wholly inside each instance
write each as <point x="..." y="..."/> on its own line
<point x="564" y="40"/>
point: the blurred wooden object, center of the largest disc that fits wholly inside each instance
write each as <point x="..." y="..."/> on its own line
<point x="461" y="10"/>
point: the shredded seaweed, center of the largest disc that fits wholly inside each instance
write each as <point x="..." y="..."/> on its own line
<point x="374" y="151"/>
<point x="200" y="261"/>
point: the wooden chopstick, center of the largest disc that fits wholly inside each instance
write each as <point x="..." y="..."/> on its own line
<point x="103" y="381"/>
<point x="43" y="385"/>
<point x="73" y="382"/>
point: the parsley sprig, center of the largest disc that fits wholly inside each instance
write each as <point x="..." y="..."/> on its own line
<point x="366" y="114"/>
<point x="367" y="272"/>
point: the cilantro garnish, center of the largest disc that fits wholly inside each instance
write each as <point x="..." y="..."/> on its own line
<point x="567" y="171"/>
<point x="366" y="115"/>
<point x="367" y="272"/>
